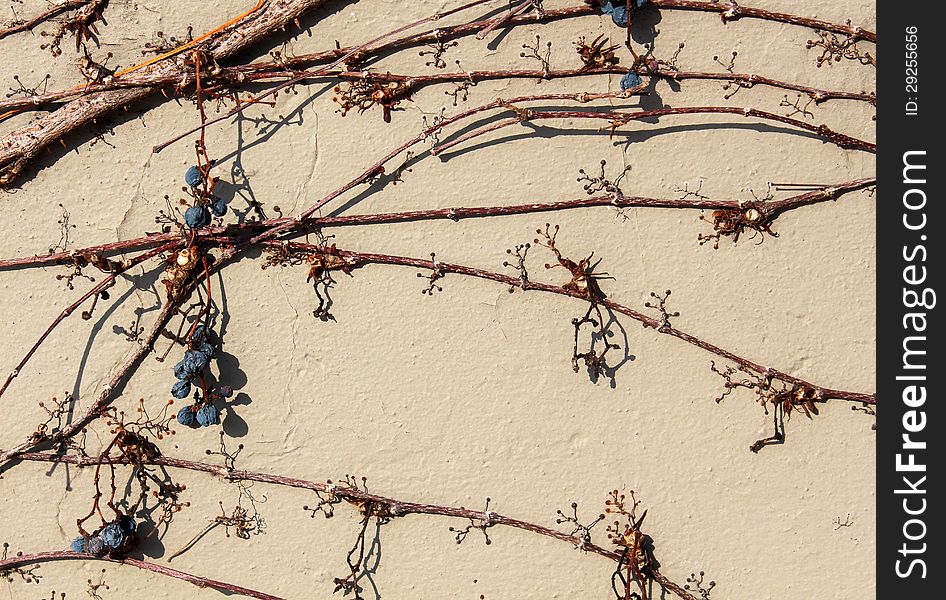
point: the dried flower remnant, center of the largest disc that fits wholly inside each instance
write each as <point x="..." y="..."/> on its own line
<point x="601" y="182"/>
<point x="535" y="53"/>
<point x="695" y="584"/>
<point x="243" y="521"/>
<point x="583" y="284"/>
<point x="81" y="25"/>
<point x="27" y="92"/>
<point x="27" y="574"/>
<point x="161" y="43"/>
<point x="436" y="274"/>
<point x="685" y="191"/>
<point x="733" y="222"/>
<point x="782" y="397"/>
<point x="520" y="253"/>
<point x="94" y="586"/>
<point x="364" y="93"/>
<point x="599" y="53"/>
<point x="58" y="412"/>
<point x="661" y="306"/>
<point x="580" y="531"/>
<point x="481" y="524"/>
<point x="584" y="281"/>
<point x="459" y="93"/>
<point x="637" y="559"/>
<point x="180" y="266"/>
<point x="96" y="72"/>
<point x="361" y="551"/>
<point x="436" y="51"/>
<point x="834" y="49"/>
<point x="322" y="260"/>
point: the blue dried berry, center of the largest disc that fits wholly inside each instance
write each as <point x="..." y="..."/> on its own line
<point x="224" y="391"/>
<point x="181" y="389"/>
<point x="112" y="535"/>
<point x="197" y="216"/>
<point x="219" y="207"/>
<point x="619" y="16"/>
<point x="631" y="80"/>
<point x="79" y="544"/>
<point x="96" y="546"/>
<point x="208" y="415"/>
<point x="200" y="334"/>
<point x="181" y="372"/>
<point x="205" y="349"/>
<point x="193" y="177"/>
<point x="195" y="361"/>
<point x="127" y="524"/>
<point x="607" y="7"/>
<point x="185" y="416"/>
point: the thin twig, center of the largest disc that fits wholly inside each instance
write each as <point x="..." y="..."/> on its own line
<point x="235" y="76"/>
<point x="730" y="11"/>
<point x="107" y="394"/>
<point x="295" y="80"/>
<point x="62" y="316"/>
<point x="230" y="233"/>
<point x="618" y="119"/>
<point x="356" y="259"/>
<point x="49" y="13"/>
<point x="393" y="507"/>
<point x="201" y="582"/>
<point x="18" y="148"/>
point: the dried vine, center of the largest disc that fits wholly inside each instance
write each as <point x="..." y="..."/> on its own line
<point x="192" y="247"/>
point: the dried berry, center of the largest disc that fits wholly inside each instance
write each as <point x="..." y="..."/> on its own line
<point x="205" y="349"/>
<point x="181" y="389"/>
<point x="112" y="535"/>
<point x="199" y="334"/>
<point x="127" y="524"/>
<point x="80" y="544"/>
<point x="630" y="80"/>
<point x="195" y="361"/>
<point x="224" y="391"/>
<point x="193" y="177"/>
<point x="181" y="372"/>
<point x="185" y="416"/>
<point x="620" y="16"/>
<point x="219" y="207"/>
<point x="197" y="216"/>
<point x="618" y="10"/>
<point x="96" y="546"/>
<point x="208" y="415"/>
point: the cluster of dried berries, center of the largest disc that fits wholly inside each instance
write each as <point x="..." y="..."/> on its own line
<point x="202" y="415"/>
<point x="191" y="368"/>
<point x="117" y="538"/>
<point x="199" y="215"/>
<point x="195" y="361"/>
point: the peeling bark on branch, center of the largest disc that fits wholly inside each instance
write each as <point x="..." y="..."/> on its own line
<point x="20" y="147"/>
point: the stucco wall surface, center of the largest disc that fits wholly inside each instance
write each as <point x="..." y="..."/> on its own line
<point x="469" y="392"/>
